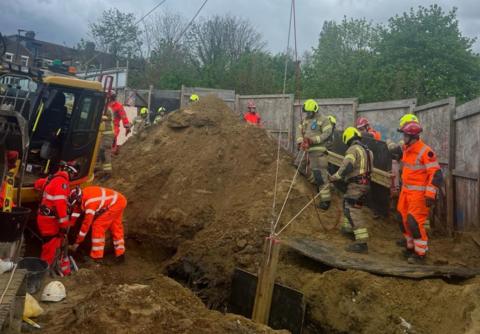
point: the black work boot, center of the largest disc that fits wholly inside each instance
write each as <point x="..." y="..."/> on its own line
<point x="357" y="248"/>
<point x="324" y="205"/>
<point x="416" y="259"/>
<point x="401" y="243"/>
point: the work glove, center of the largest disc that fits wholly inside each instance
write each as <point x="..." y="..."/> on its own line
<point x="429" y="202"/>
<point x="62" y="232"/>
<point x="306" y="144"/>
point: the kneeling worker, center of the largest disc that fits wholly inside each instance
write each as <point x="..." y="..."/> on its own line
<point x="355" y="170"/>
<point x="103" y="209"/>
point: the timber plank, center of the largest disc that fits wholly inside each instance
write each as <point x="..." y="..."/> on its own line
<point x="324" y="252"/>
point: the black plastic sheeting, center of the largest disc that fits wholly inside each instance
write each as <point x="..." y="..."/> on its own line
<point x="379" y="197"/>
<point x="288" y="305"/>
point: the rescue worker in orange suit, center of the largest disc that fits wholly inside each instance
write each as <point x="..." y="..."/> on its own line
<point x="12" y="157"/>
<point x="363" y="125"/>
<point x="119" y="115"/>
<point x="252" y="116"/>
<point x="52" y="217"/>
<point x="421" y="179"/>
<point x="103" y="211"/>
<point x="355" y="169"/>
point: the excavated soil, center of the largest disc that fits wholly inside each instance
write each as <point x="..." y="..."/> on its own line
<point x="200" y="191"/>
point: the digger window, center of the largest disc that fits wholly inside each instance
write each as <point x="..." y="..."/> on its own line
<point x="83" y="129"/>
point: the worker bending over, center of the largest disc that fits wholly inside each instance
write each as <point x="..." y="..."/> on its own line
<point x="316" y="133"/>
<point x="421" y="178"/>
<point x="355" y="169"/>
<point x="103" y="211"/>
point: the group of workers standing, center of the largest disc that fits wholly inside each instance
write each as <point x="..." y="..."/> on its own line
<point x="421" y="176"/>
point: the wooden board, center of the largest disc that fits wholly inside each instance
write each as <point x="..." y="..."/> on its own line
<point x="288" y="305"/>
<point x="11" y="308"/>
<point x="322" y="251"/>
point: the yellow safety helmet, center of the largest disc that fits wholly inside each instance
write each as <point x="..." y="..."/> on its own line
<point x="407" y="118"/>
<point x="194" y="98"/>
<point x="144" y="111"/>
<point x="332" y="119"/>
<point x="310" y="105"/>
<point x="350" y="133"/>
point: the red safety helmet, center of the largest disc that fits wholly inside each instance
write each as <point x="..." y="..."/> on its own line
<point x="411" y="128"/>
<point x="251" y="104"/>
<point x="362" y="122"/>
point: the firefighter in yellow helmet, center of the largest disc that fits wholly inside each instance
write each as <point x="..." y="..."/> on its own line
<point x="141" y="121"/>
<point x="314" y="135"/>
<point x="355" y="170"/>
<point x="194" y="98"/>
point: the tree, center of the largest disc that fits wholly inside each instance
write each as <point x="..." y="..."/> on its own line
<point x="117" y="34"/>
<point x="424" y="55"/>
<point x="343" y="63"/>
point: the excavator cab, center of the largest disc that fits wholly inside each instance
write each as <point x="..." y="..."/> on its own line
<point x="53" y="119"/>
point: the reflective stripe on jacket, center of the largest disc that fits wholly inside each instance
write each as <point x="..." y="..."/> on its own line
<point x="419" y="166"/>
<point x="95" y="200"/>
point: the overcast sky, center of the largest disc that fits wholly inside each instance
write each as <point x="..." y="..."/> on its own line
<point x="66" y="21"/>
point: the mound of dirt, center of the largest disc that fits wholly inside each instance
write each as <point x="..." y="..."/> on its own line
<point x="160" y="305"/>
<point x="203" y="182"/>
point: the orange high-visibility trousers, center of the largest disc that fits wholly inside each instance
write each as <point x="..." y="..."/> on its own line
<point x="412" y="206"/>
<point x="109" y="220"/>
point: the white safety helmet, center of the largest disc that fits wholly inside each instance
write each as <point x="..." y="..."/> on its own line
<point x="54" y="292"/>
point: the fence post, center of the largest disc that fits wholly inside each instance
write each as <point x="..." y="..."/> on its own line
<point x="450" y="184"/>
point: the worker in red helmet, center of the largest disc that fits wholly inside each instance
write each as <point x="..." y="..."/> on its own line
<point x="119" y="115"/>
<point x="363" y="125"/>
<point x="52" y="216"/>
<point x="421" y="179"/>
<point x="252" y="116"/>
<point x="102" y="209"/>
<point x="5" y="202"/>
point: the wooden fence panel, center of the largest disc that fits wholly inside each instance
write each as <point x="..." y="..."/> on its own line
<point x="276" y="113"/>
<point x="384" y="116"/>
<point x="467" y="165"/>
<point x="435" y="119"/>
<point x="228" y="96"/>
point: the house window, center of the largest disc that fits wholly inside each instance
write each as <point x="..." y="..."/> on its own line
<point x="24" y="60"/>
<point x="47" y="62"/>
<point x="8" y="57"/>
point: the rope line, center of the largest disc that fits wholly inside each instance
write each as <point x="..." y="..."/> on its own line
<point x="289" y="190"/>
<point x="303" y="209"/>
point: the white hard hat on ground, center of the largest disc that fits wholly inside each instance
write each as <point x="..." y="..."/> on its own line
<point x="54" y="292"/>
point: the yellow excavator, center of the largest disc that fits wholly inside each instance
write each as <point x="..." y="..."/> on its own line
<point x="45" y="118"/>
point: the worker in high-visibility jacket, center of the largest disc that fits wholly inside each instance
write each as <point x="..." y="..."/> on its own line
<point x="355" y="169"/>
<point x="119" y="115"/>
<point x="104" y="161"/>
<point x="314" y="135"/>
<point x="52" y="216"/>
<point x="102" y="209"/>
<point x="141" y="121"/>
<point x="252" y="116"/>
<point x="194" y="98"/>
<point x="421" y="179"/>
<point x="363" y="125"/>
